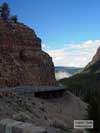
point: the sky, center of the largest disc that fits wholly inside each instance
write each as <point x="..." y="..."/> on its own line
<point x="69" y="29"/>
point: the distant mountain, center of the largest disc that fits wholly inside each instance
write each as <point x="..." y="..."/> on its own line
<point x="94" y="65"/>
<point x="70" y="70"/>
<point x="64" y="72"/>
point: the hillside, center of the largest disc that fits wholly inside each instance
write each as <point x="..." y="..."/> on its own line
<point x="86" y="85"/>
<point x="87" y="82"/>
<point x="94" y="62"/>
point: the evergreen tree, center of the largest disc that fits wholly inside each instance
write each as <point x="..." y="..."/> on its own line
<point x="4" y="11"/>
<point x="14" y="19"/>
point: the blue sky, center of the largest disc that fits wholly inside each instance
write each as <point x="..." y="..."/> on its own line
<point x="62" y="24"/>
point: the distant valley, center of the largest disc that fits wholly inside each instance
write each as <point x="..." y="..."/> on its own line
<point x="63" y="72"/>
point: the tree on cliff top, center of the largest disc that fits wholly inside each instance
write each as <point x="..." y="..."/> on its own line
<point x="5" y="13"/>
<point x="14" y="19"/>
<point x="4" y="10"/>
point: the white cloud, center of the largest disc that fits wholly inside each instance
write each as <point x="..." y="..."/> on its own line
<point x="44" y="46"/>
<point x="87" y="44"/>
<point x="77" y="55"/>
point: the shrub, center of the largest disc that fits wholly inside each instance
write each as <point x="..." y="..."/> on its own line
<point x="14" y="19"/>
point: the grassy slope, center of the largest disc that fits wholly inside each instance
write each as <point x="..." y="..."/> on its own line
<point x="83" y="84"/>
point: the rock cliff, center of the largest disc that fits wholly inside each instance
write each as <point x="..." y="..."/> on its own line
<point x="94" y="65"/>
<point x="22" y="61"/>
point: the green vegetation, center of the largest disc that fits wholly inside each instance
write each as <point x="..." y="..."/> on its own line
<point x="83" y="85"/>
<point x="94" y="112"/>
<point x="4" y="10"/>
<point x="14" y="19"/>
<point x="87" y="87"/>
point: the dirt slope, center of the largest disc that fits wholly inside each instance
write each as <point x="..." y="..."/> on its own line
<point x="43" y="112"/>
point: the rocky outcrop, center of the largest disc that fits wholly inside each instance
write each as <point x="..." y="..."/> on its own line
<point x="22" y="61"/>
<point x="94" y="65"/>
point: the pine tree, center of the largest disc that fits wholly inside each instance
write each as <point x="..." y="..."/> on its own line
<point x="14" y="19"/>
<point x="5" y="11"/>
